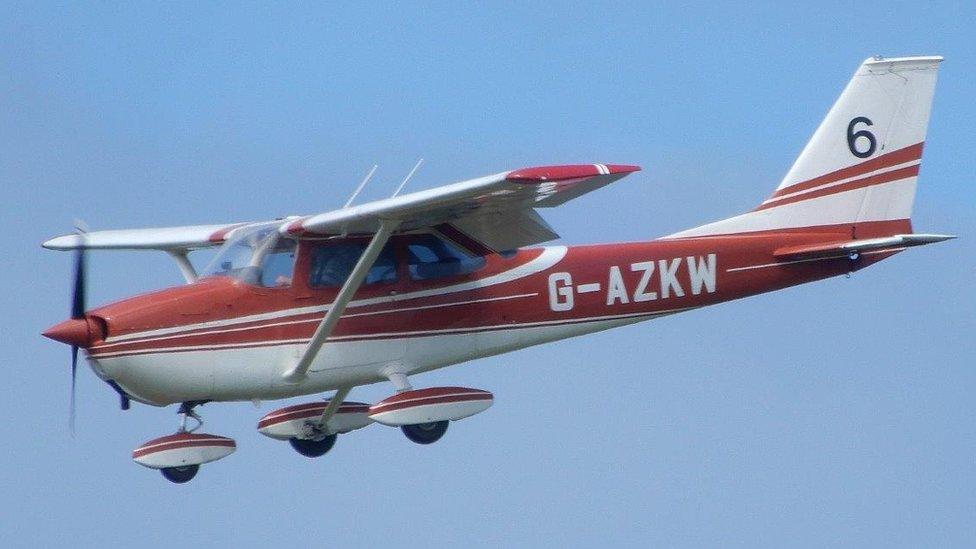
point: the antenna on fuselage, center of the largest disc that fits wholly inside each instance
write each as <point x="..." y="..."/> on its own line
<point x="361" y="185"/>
<point x="407" y="178"/>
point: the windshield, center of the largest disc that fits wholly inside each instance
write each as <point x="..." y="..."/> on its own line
<point x="257" y="256"/>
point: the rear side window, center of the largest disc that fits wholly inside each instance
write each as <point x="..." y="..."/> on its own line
<point x="431" y="257"/>
<point x="332" y="264"/>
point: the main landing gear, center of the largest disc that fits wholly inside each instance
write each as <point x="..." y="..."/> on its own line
<point x="314" y="440"/>
<point x="312" y="428"/>
<point x="179" y="457"/>
<point x="424" y="414"/>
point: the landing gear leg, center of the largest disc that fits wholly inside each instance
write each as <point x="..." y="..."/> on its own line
<point x="315" y="439"/>
<point x="179" y="475"/>
<point x="399" y="381"/>
<point x="186" y="412"/>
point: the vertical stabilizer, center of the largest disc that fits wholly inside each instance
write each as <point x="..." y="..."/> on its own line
<point x="861" y="165"/>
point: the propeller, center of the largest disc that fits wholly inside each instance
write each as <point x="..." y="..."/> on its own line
<point x="77" y="331"/>
<point x="78" y="302"/>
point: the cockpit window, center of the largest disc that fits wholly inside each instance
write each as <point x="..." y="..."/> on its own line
<point x="431" y="257"/>
<point x="258" y="256"/>
<point x="331" y="265"/>
<point x="279" y="264"/>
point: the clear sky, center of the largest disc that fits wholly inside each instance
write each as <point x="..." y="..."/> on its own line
<point x="835" y="414"/>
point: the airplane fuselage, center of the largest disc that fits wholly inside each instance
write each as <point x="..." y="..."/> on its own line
<point x="223" y="340"/>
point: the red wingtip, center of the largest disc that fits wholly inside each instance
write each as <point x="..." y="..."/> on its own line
<point x="573" y="171"/>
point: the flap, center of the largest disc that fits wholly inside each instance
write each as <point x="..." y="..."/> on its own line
<point x="500" y="231"/>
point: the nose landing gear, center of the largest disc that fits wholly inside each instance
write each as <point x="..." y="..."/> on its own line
<point x="178" y="457"/>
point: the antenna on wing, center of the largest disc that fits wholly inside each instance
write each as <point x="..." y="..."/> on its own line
<point x="407" y="178"/>
<point x="361" y="185"/>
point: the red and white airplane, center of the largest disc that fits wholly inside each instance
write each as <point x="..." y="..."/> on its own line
<point x="396" y="287"/>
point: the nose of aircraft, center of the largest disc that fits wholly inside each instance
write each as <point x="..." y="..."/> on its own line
<point x="74" y="331"/>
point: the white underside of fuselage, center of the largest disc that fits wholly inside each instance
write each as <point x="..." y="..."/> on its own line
<point x="255" y="372"/>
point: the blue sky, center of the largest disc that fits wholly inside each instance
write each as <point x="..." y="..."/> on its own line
<point x="839" y="413"/>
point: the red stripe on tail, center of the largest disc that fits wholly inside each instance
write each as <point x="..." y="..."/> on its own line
<point x="913" y="152"/>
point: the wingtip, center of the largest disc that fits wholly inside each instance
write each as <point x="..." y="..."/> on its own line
<point x="61" y="243"/>
<point x="623" y="168"/>
<point x="571" y="171"/>
<point x="906" y="60"/>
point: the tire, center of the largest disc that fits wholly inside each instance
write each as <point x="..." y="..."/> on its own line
<point x="312" y="448"/>
<point x="426" y="433"/>
<point x="179" y="475"/>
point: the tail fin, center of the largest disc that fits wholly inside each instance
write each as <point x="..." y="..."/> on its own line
<point x="860" y="168"/>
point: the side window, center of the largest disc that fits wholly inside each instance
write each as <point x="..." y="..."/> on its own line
<point x="430" y="257"/>
<point x="331" y="265"/>
<point x="278" y="264"/>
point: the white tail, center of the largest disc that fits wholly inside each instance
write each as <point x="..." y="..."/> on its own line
<point x="861" y="165"/>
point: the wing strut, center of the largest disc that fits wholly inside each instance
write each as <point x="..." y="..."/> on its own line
<point x="333" y="406"/>
<point x="349" y="287"/>
<point x="183" y="262"/>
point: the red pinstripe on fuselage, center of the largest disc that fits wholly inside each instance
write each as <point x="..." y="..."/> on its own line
<point x="221" y="313"/>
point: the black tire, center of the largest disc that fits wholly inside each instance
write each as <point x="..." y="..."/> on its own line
<point x="179" y="475"/>
<point x="312" y="448"/>
<point x="425" y="433"/>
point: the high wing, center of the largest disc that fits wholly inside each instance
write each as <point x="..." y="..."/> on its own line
<point x="167" y="239"/>
<point x="176" y="241"/>
<point x="496" y="212"/>
<point x="487" y="214"/>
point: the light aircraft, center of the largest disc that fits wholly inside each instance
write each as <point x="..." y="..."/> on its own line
<point x="388" y="289"/>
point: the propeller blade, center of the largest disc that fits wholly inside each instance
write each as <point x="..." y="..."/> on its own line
<point x="78" y="306"/>
<point x="78" y="297"/>
<point x="71" y="401"/>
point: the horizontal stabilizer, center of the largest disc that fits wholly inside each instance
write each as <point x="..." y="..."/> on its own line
<point x="848" y="247"/>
